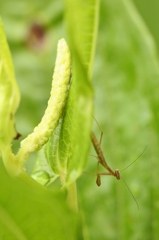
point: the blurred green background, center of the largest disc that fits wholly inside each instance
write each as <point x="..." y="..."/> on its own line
<point x="126" y="86"/>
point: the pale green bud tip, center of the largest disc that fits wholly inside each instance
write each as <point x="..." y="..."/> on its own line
<point x="62" y="44"/>
<point x="63" y="61"/>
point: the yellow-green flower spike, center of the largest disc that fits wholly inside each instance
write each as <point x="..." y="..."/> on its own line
<point x="56" y="103"/>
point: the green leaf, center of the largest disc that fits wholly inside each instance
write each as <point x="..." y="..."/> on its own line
<point x="9" y="101"/>
<point x="42" y="172"/>
<point x="126" y="82"/>
<point x="32" y="212"/>
<point x="83" y="33"/>
<point x="70" y="150"/>
<point x="9" y="92"/>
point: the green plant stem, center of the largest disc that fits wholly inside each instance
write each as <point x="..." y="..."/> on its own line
<point x="10" y="161"/>
<point x="72" y="197"/>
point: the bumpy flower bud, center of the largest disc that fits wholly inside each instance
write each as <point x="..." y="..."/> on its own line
<point x="56" y="103"/>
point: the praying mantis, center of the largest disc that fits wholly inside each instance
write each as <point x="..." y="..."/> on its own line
<point x="102" y="161"/>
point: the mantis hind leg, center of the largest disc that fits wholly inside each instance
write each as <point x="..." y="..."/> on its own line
<point x="98" y="180"/>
